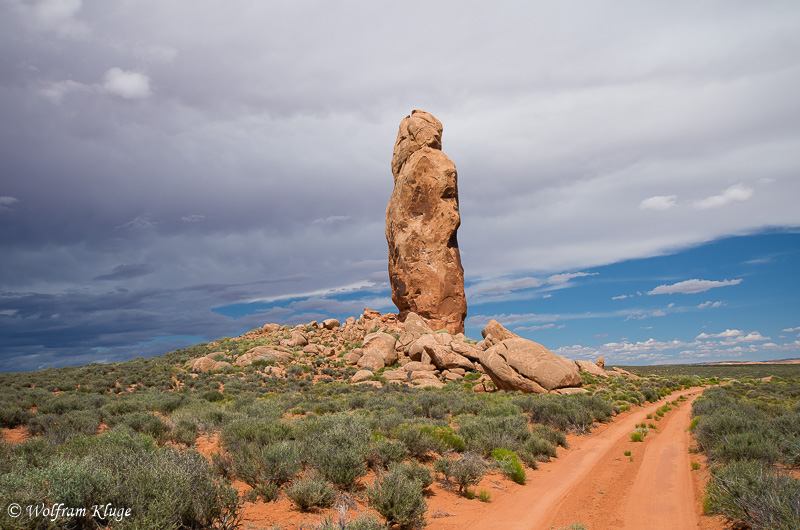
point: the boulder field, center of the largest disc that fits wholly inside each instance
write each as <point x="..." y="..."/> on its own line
<point x="412" y="352"/>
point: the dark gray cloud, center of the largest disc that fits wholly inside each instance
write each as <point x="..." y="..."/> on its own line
<point x="150" y="149"/>
<point x="126" y="272"/>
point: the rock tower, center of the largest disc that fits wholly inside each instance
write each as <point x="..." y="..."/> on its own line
<point x="421" y="223"/>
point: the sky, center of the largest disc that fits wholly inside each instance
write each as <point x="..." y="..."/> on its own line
<point x="173" y="172"/>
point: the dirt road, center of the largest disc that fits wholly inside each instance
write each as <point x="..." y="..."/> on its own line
<point x="594" y="484"/>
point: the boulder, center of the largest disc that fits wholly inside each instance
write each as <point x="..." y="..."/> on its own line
<point x="395" y="375"/>
<point x="405" y="339"/>
<point x="569" y="391"/>
<point x="416" y="324"/>
<point x="417" y="348"/>
<point x="353" y="356"/>
<point x="378" y="351"/>
<point x="467" y="350"/>
<point x="435" y="383"/>
<point x="361" y="375"/>
<point x="202" y="364"/>
<point x="592" y="368"/>
<point x="207" y="364"/>
<point x="416" y="366"/>
<point x="601" y="362"/>
<point x="330" y="323"/>
<point x="263" y="352"/>
<point x="494" y="333"/>
<point x="422" y="220"/>
<point x="299" y="338"/>
<point x="521" y="364"/>
<point x="270" y="328"/>
<point x="444" y="358"/>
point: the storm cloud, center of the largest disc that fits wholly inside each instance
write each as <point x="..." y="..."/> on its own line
<point x="163" y="159"/>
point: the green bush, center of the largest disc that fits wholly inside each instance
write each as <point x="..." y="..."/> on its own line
<point x="277" y="463"/>
<point x="749" y="445"/>
<point x="163" y="487"/>
<point x="485" y="434"/>
<point x="567" y="413"/>
<point x="756" y="494"/>
<point x="385" y="451"/>
<point x="448" y="436"/>
<point x="420" y="441"/>
<point x="337" y="446"/>
<point x="553" y="436"/>
<point x="414" y="471"/>
<point x="465" y="472"/>
<point x="397" y="499"/>
<point x="509" y="463"/>
<point x="311" y="491"/>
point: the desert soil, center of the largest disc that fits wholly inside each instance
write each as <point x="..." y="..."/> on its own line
<point x="594" y="484"/>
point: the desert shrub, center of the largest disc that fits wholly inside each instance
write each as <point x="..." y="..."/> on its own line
<point x="276" y="463"/>
<point x="536" y="448"/>
<point x="485" y="434"/>
<point x="756" y="494"/>
<point x="311" y="491"/>
<point x="419" y="440"/>
<point x="385" y="451"/>
<point x="244" y="430"/>
<point x="163" y="487"/>
<point x="414" y="471"/>
<point x="184" y="431"/>
<point x="60" y="428"/>
<point x="214" y="396"/>
<point x="11" y="416"/>
<point x="465" y="472"/>
<point x="448" y="436"/>
<point x="509" y="463"/>
<point x="751" y="445"/>
<point x="142" y="422"/>
<point x="223" y="465"/>
<point x="650" y="394"/>
<point x="551" y="435"/>
<point x="337" y="446"/>
<point x="397" y="499"/>
<point x="567" y="413"/>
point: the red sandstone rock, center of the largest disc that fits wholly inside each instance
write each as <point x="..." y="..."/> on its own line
<point x="422" y="219"/>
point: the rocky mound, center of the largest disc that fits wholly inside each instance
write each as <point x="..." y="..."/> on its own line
<point x="381" y="347"/>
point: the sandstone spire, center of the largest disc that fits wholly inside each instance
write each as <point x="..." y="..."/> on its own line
<point x="421" y="223"/>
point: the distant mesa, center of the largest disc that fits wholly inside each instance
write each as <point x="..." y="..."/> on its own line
<point x="422" y="220"/>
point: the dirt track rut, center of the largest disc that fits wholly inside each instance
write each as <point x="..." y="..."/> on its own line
<point x="594" y="484"/>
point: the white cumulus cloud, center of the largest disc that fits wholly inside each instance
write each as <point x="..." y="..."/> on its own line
<point x="692" y="286"/>
<point x="736" y="193"/>
<point x="129" y="85"/>
<point x="728" y="333"/>
<point x="659" y="202"/>
<point x="710" y="304"/>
